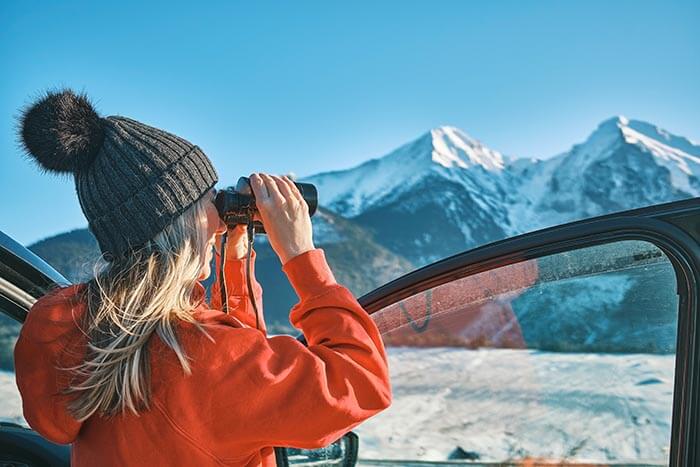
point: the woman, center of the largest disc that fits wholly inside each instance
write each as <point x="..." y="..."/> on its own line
<point x="133" y="367"/>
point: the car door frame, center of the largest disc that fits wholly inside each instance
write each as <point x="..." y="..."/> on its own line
<point x="672" y="227"/>
<point x="24" y="277"/>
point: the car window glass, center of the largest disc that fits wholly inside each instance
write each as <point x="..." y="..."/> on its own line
<point x="11" y="403"/>
<point x="566" y="357"/>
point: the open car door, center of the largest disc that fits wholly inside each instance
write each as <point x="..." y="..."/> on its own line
<point x="24" y="277"/>
<point x="573" y="345"/>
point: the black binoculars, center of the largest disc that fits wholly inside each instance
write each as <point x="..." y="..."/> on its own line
<point x="236" y="205"/>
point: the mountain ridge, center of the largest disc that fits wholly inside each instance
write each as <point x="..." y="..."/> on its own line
<point x="485" y="196"/>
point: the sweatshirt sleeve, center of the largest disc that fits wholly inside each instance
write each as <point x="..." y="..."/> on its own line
<point x="274" y="391"/>
<point x="42" y="347"/>
<point x="239" y="303"/>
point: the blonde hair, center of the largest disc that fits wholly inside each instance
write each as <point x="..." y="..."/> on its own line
<point x="130" y="299"/>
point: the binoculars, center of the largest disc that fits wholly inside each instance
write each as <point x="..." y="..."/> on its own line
<point x="236" y="205"/>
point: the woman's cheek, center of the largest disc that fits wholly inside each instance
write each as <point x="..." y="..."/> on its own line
<point x="205" y="271"/>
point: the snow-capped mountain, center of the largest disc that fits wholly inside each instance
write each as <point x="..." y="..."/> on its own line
<point x="429" y="198"/>
<point x="446" y="192"/>
<point x="445" y="151"/>
<point x="623" y="164"/>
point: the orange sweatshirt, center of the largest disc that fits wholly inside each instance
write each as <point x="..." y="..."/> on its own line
<point x="247" y="391"/>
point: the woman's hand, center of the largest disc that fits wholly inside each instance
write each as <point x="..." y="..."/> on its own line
<point x="236" y="243"/>
<point x="285" y="215"/>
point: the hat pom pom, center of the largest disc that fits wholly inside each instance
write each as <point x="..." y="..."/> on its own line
<point x="62" y="131"/>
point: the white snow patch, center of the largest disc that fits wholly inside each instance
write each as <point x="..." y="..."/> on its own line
<point x="680" y="163"/>
<point x="452" y="147"/>
<point x="11" y="405"/>
<point x="509" y="404"/>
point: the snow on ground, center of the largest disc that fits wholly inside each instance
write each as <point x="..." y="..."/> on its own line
<point x="11" y="405"/>
<point x="510" y="404"/>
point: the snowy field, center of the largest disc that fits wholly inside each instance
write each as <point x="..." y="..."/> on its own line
<point x="11" y="406"/>
<point x="510" y="404"/>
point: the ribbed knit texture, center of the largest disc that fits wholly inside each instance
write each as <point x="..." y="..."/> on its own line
<point x="140" y="181"/>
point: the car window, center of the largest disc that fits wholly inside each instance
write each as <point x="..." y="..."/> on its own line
<point x="11" y="405"/>
<point x="565" y="357"/>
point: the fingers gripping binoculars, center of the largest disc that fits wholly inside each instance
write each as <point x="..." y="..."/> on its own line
<point x="236" y="205"/>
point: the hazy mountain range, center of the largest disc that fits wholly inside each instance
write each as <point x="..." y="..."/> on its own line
<point x="446" y="192"/>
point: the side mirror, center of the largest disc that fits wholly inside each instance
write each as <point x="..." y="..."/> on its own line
<point x="342" y="453"/>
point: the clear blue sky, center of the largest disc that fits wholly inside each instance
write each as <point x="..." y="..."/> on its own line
<point x="313" y="86"/>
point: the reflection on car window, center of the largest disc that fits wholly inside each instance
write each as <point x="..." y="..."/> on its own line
<point x="567" y="357"/>
<point x="11" y="405"/>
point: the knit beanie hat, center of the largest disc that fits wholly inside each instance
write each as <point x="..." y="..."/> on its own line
<point x="132" y="179"/>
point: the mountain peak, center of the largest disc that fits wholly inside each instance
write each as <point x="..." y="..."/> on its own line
<point x="614" y="131"/>
<point x="635" y="146"/>
<point x="648" y="137"/>
<point x="609" y="130"/>
<point x="451" y="147"/>
<point x="617" y="120"/>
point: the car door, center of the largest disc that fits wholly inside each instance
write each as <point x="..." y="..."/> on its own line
<point x="24" y="277"/>
<point x="575" y="344"/>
